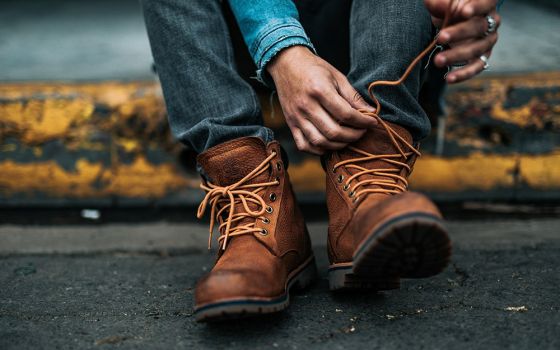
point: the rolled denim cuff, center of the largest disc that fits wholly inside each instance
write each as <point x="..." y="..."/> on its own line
<point x="278" y="37"/>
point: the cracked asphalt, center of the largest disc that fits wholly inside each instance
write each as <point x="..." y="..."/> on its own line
<point x="89" y="287"/>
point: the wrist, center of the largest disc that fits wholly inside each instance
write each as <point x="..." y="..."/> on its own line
<point x="286" y="58"/>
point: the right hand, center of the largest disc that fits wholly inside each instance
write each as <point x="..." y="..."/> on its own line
<point x="319" y="104"/>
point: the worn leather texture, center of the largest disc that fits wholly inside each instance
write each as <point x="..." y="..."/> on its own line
<point x="353" y="219"/>
<point x="255" y="265"/>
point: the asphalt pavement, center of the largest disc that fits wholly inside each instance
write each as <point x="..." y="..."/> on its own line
<point x="131" y="286"/>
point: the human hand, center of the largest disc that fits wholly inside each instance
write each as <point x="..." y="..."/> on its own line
<point x="466" y="34"/>
<point x="319" y="104"/>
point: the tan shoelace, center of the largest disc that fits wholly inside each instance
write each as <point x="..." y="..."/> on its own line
<point x="225" y="198"/>
<point x="388" y="184"/>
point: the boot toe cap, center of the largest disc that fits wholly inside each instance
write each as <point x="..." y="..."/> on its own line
<point x="224" y="285"/>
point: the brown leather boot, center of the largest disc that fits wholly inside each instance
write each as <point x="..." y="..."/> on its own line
<point x="264" y="244"/>
<point x="379" y="232"/>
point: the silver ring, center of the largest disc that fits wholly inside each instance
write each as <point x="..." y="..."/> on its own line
<point x="492" y="25"/>
<point x="484" y="60"/>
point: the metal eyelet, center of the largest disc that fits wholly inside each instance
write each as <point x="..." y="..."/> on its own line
<point x="272" y="197"/>
<point x="266" y="220"/>
<point x="334" y="170"/>
<point x="278" y="166"/>
<point x="355" y="199"/>
<point x="351" y="194"/>
<point x="345" y="187"/>
<point x="340" y="178"/>
<point x="277" y="178"/>
<point x="264" y="232"/>
<point x="269" y="209"/>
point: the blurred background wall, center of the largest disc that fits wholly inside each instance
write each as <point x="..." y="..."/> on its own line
<point x="83" y="125"/>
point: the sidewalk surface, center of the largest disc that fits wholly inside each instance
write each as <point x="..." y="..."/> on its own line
<point x="131" y="286"/>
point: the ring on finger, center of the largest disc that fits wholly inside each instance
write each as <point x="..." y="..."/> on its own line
<point x="492" y="25"/>
<point x="484" y="60"/>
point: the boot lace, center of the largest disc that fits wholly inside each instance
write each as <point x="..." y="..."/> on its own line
<point x="223" y="201"/>
<point x="387" y="180"/>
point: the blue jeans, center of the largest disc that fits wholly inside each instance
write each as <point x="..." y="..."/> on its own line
<point x="204" y="67"/>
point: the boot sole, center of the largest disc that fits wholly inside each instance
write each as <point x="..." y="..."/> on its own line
<point x="341" y="277"/>
<point x="237" y="308"/>
<point x="415" y="245"/>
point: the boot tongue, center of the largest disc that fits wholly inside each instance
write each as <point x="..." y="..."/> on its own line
<point x="377" y="142"/>
<point x="231" y="161"/>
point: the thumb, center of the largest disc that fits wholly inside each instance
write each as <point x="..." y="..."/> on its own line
<point x="347" y="91"/>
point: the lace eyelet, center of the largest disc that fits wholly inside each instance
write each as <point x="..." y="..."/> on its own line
<point x="340" y="178"/>
<point x="264" y="232"/>
<point x="355" y="199"/>
<point x="269" y="209"/>
<point x="266" y="220"/>
<point x="272" y="197"/>
<point x="345" y="187"/>
<point x="351" y="194"/>
<point x="278" y="166"/>
<point x="277" y="178"/>
<point x="334" y="170"/>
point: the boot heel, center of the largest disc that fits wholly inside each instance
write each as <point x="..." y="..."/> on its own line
<point x="306" y="276"/>
<point x="342" y="278"/>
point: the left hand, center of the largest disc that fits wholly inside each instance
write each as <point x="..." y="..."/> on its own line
<point x="465" y="34"/>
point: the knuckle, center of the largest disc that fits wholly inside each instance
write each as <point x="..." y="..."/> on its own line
<point x="332" y="134"/>
<point x="478" y="51"/>
<point x="301" y="104"/>
<point x="315" y="89"/>
<point x="498" y="19"/>
<point x="301" y="146"/>
<point x="344" y="117"/>
<point x="290" y="118"/>
<point x="317" y="141"/>
<point x="494" y="39"/>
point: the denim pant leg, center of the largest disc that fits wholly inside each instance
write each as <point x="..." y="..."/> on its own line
<point x="208" y="102"/>
<point x="385" y="36"/>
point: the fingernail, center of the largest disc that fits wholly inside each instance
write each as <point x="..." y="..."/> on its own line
<point x="443" y="37"/>
<point x="442" y="60"/>
<point x="468" y="11"/>
<point x="451" y="78"/>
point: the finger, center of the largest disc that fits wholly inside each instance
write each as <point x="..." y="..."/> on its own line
<point x="341" y="110"/>
<point x="439" y="8"/>
<point x="314" y="137"/>
<point x="466" y="51"/>
<point x="302" y="144"/>
<point x="474" y="67"/>
<point x="332" y="130"/>
<point x="478" y="8"/>
<point x="437" y="22"/>
<point x="475" y="27"/>
<point x="470" y="29"/>
<point x="351" y="95"/>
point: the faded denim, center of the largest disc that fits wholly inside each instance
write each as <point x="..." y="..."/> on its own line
<point x="208" y="100"/>
<point x="268" y="26"/>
